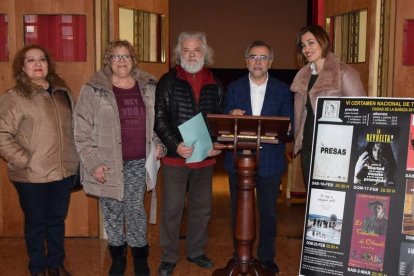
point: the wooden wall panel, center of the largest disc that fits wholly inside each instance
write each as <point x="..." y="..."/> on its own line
<point x="6" y="7"/>
<point x="6" y="189"/>
<point x="336" y="7"/>
<point x="6" y="81"/>
<point x="12" y="217"/>
<point x="75" y="73"/>
<point x="403" y="82"/>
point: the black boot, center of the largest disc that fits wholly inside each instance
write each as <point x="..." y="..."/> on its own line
<point x="118" y="255"/>
<point x="140" y="255"/>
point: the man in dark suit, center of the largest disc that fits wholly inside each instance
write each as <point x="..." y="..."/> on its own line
<point x="260" y="94"/>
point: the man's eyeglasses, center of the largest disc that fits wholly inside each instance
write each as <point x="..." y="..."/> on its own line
<point x="259" y="57"/>
<point x="118" y="58"/>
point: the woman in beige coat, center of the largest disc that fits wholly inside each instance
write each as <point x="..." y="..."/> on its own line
<point x="36" y="141"/>
<point x="322" y="74"/>
<point x="114" y="121"/>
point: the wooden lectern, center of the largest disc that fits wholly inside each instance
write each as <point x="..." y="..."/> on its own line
<point x="243" y="135"/>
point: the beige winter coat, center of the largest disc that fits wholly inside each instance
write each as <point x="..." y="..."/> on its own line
<point x="336" y="79"/>
<point x="36" y="136"/>
<point x="98" y="131"/>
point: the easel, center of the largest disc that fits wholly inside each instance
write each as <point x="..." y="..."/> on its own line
<point x="243" y="135"/>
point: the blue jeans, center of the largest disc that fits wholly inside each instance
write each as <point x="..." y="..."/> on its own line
<point x="45" y="206"/>
<point x="267" y="191"/>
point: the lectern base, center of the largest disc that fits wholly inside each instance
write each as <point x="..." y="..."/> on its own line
<point x="234" y="268"/>
<point x="246" y="150"/>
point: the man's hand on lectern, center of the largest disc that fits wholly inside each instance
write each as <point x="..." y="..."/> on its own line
<point x="237" y="112"/>
<point x="214" y="152"/>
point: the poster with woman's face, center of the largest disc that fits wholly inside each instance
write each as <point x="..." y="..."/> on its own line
<point x="376" y="161"/>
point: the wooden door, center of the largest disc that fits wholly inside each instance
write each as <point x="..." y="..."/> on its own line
<point x="82" y="219"/>
<point x="385" y="73"/>
<point x="6" y="189"/>
<point x="368" y="69"/>
<point x="152" y="6"/>
<point x="401" y="74"/>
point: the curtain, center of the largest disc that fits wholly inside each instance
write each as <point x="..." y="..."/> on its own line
<point x="63" y="35"/>
<point x="408" y="43"/>
<point x="4" y="49"/>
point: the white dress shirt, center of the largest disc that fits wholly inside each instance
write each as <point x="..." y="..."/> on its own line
<point x="257" y="94"/>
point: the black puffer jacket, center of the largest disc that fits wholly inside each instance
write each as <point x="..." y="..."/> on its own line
<point x="175" y="104"/>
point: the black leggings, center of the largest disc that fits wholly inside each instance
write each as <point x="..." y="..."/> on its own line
<point x="305" y="162"/>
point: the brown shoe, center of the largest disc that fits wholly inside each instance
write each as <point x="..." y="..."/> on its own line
<point x="61" y="271"/>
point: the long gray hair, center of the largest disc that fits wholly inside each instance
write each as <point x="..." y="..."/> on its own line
<point x="207" y="51"/>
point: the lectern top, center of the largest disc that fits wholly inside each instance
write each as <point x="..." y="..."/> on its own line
<point x="227" y="127"/>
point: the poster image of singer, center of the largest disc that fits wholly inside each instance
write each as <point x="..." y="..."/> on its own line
<point x="377" y="154"/>
<point x="406" y="262"/>
<point x="324" y="223"/>
<point x="410" y="147"/>
<point x="332" y="152"/>
<point x="369" y="232"/>
<point x="408" y="218"/>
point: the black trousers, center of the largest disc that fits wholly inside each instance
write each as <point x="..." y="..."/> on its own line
<point x="45" y="206"/>
<point x="306" y="162"/>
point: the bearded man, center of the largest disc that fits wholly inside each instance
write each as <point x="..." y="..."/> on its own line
<point x="182" y="93"/>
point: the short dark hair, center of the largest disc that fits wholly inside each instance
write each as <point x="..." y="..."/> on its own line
<point x="258" y="43"/>
<point x="321" y="36"/>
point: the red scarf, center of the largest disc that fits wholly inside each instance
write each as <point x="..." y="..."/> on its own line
<point x="196" y="80"/>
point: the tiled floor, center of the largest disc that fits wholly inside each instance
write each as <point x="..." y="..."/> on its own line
<point x="86" y="256"/>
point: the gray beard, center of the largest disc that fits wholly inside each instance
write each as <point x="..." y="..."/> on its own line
<point x="192" y="68"/>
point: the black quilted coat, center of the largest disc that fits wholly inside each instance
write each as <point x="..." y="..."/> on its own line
<point x="175" y="104"/>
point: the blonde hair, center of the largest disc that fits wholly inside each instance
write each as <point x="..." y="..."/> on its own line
<point x="116" y="44"/>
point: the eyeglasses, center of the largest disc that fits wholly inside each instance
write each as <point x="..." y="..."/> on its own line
<point x="259" y="57"/>
<point x="118" y="58"/>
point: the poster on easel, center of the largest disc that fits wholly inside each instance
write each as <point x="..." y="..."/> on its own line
<point x="360" y="207"/>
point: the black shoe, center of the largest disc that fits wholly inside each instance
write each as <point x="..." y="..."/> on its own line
<point x="166" y="269"/>
<point x="118" y="255"/>
<point x="61" y="271"/>
<point x="202" y="261"/>
<point x="140" y="257"/>
<point x="43" y="273"/>
<point x="271" y="266"/>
